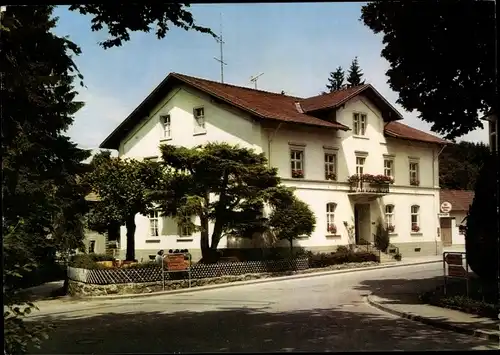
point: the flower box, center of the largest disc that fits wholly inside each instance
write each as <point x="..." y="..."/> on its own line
<point x="330" y="176"/>
<point x="414" y="182"/>
<point x="391" y="228"/>
<point x="332" y="228"/>
<point x="415" y="228"/>
<point x="297" y="174"/>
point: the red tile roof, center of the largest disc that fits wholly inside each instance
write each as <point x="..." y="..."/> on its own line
<point x="398" y="130"/>
<point x="268" y="105"/>
<point x="460" y="199"/>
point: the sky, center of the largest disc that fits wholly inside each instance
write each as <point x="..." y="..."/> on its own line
<point x="295" y="45"/>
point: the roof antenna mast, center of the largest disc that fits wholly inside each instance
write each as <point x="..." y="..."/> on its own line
<point x="255" y="78"/>
<point x="221" y="59"/>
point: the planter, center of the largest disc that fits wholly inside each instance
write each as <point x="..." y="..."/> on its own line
<point x="105" y="263"/>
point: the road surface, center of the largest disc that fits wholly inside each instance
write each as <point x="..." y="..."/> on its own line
<point x="325" y="313"/>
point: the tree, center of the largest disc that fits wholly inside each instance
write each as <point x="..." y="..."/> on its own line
<point x="354" y="75"/>
<point x="123" y="188"/>
<point x="290" y="218"/>
<point x="217" y="182"/>
<point x="445" y="69"/>
<point x="336" y="80"/>
<point x="121" y="20"/>
<point x="459" y="165"/>
<point x="39" y="163"/>
<point x="481" y="238"/>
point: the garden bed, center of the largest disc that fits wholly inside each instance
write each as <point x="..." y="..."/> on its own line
<point x="478" y="302"/>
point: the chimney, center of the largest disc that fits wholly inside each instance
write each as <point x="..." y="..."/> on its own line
<point x="298" y="106"/>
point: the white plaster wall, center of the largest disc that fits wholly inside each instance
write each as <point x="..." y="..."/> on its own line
<point x="456" y="237"/>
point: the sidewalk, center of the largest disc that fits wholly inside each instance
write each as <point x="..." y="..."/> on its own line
<point x="408" y="305"/>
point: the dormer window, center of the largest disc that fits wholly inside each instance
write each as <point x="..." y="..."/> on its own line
<point x="359" y="124"/>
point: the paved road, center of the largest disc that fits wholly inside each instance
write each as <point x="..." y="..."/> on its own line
<point x="324" y="313"/>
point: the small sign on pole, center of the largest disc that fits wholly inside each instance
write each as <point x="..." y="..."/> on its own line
<point x="453" y="267"/>
<point x="446" y="207"/>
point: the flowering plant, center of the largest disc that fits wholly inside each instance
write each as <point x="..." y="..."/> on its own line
<point x="297" y="173"/>
<point x="415" y="228"/>
<point x="391" y="228"/>
<point x="332" y="228"/>
<point x="414" y="182"/>
<point x="330" y="176"/>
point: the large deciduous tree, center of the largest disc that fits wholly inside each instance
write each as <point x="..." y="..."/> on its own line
<point x="336" y="80"/>
<point x="354" y="74"/>
<point x="220" y="183"/>
<point x="442" y="59"/>
<point x="460" y="164"/>
<point x="122" y="187"/>
<point x="132" y="17"/>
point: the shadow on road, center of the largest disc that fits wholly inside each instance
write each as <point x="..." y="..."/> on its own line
<point x="243" y="330"/>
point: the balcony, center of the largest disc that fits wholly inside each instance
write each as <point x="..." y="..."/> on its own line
<point x="365" y="188"/>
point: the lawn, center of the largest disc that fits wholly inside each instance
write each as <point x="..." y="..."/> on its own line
<point x="481" y="299"/>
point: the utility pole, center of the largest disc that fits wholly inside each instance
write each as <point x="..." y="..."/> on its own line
<point x="221" y="59"/>
<point x="255" y="78"/>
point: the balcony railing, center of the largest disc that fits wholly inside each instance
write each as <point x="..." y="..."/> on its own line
<point x="374" y="184"/>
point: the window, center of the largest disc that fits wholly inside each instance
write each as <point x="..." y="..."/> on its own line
<point x="153" y="224"/>
<point x="359" y="124"/>
<point x="389" y="167"/>
<point x="415" y="218"/>
<point x="297" y="163"/>
<point x="389" y="218"/>
<point x="360" y="165"/>
<point x="185" y="230"/>
<point x="166" y="125"/>
<point x="330" y="166"/>
<point x="330" y="218"/>
<point x="199" y="120"/>
<point x="92" y="247"/>
<point x="414" y="174"/>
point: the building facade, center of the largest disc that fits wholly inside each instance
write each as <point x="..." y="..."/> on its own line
<point x="317" y="144"/>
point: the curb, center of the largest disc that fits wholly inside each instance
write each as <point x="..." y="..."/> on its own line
<point x="478" y="333"/>
<point x="250" y="282"/>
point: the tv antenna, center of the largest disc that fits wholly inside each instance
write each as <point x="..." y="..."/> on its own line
<point x="255" y="78"/>
<point x="221" y="59"/>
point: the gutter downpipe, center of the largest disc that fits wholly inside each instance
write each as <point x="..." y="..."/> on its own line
<point x="434" y="158"/>
<point x="269" y="140"/>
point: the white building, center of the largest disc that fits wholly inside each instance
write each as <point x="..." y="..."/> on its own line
<point x="335" y="135"/>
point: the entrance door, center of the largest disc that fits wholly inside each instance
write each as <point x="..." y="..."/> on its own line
<point x="362" y="222"/>
<point x="446" y="235"/>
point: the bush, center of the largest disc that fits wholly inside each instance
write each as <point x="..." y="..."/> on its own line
<point x="381" y="237"/>
<point x="343" y="249"/>
<point x="324" y="259"/>
<point x="89" y="261"/>
<point x="398" y="256"/>
<point x="481" y="230"/>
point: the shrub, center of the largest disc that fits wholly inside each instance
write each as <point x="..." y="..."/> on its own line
<point x="381" y="237"/>
<point x="324" y="259"/>
<point x="89" y="261"/>
<point x="398" y="256"/>
<point x="342" y="249"/>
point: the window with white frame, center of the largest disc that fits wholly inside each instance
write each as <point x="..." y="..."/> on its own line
<point x="414" y="172"/>
<point x="330" y="218"/>
<point x="297" y="162"/>
<point x="166" y="127"/>
<point x="359" y="124"/>
<point x="184" y="228"/>
<point x="415" y="218"/>
<point x="360" y="165"/>
<point x="389" y="167"/>
<point x="330" y="166"/>
<point x="154" y="229"/>
<point x="389" y="218"/>
<point x="199" y="120"/>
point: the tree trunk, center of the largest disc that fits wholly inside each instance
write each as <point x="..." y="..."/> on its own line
<point x="130" y="224"/>
<point x="291" y="247"/>
<point x="204" y="245"/>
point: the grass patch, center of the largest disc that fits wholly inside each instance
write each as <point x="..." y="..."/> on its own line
<point x="481" y="299"/>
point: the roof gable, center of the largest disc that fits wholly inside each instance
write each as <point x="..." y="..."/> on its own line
<point x="337" y="98"/>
